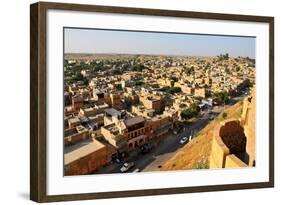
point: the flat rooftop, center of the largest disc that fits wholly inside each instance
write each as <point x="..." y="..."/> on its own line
<point x="90" y="109"/>
<point x="81" y="150"/>
<point x="112" y="112"/>
<point x="133" y="121"/>
<point x="74" y="120"/>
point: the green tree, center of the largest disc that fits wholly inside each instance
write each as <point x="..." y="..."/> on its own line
<point x="116" y="71"/>
<point x="174" y="90"/>
<point x="175" y="79"/>
<point x="118" y="86"/>
<point x="190" y="112"/>
<point x="86" y="82"/>
<point x="128" y="102"/>
<point x="224" y="115"/>
<point x="164" y="89"/>
<point x="189" y="70"/>
<point x="139" y="82"/>
<point x="201" y="165"/>
<point x="138" y="67"/>
<point x="170" y="90"/>
<point x="222" y="96"/>
<point x="78" y="77"/>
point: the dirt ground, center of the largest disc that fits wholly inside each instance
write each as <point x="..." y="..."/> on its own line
<point x="196" y="153"/>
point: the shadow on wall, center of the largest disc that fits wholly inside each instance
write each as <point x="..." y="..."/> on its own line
<point x="233" y="136"/>
<point x="228" y="146"/>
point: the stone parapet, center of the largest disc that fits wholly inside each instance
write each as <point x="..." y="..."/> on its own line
<point x="226" y="136"/>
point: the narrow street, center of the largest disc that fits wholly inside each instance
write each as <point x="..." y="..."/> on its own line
<point x="167" y="146"/>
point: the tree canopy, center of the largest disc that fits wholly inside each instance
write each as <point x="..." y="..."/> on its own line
<point x="189" y="70"/>
<point x="170" y="90"/>
<point x="138" y="67"/>
<point x="222" y="96"/>
<point x="190" y="112"/>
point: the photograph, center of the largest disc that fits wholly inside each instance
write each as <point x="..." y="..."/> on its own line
<point x="130" y="102"/>
<point x="148" y="101"/>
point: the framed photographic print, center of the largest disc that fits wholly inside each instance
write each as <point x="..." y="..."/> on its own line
<point x="135" y="102"/>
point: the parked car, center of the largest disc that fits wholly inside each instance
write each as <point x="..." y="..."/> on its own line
<point x="136" y="170"/>
<point x="211" y="112"/>
<point x="183" y="140"/>
<point x="126" y="166"/>
<point x="145" y="148"/>
<point x="211" y="117"/>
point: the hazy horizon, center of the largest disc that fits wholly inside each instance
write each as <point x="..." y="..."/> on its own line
<point x="98" y="41"/>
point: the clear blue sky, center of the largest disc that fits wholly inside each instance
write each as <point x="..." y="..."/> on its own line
<point x="128" y="42"/>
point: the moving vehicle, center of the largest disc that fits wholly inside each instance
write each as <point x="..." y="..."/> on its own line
<point x="126" y="166"/>
<point x="183" y="140"/>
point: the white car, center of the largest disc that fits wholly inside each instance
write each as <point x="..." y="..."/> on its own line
<point x="126" y="166"/>
<point x="183" y="140"/>
<point x="136" y="170"/>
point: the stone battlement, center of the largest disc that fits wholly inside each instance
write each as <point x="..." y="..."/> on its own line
<point x="228" y="143"/>
<point x="233" y="143"/>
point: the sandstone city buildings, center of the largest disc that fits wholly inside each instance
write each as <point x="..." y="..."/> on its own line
<point x="115" y="104"/>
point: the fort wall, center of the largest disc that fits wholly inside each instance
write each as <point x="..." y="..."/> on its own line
<point x="226" y="136"/>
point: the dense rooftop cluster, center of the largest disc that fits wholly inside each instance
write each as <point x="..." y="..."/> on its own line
<point x="121" y="102"/>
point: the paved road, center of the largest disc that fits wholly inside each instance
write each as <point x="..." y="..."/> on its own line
<point x="171" y="144"/>
<point x="165" y="149"/>
<point x="167" y="146"/>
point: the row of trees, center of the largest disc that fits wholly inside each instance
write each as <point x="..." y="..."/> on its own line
<point x="78" y="77"/>
<point x="193" y="109"/>
<point x="138" y="67"/>
<point x="170" y="90"/>
<point x="139" y="82"/>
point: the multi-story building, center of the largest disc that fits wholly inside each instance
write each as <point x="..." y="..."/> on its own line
<point x="75" y="134"/>
<point x="142" y="111"/>
<point x="165" y="82"/>
<point x="153" y="102"/>
<point x="127" y="110"/>
<point x="111" y="116"/>
<point x="200" y="92"/>
<point x="73" y="122"/>
<point x="115" y="100"/>
<point x="85" y="158"/>
<point x="132" y="98"/>
<point x="100" y="96"/>
<point x="77" y="102"/>
<point x="185" y="88"/>
<point x="114" y="135"/>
